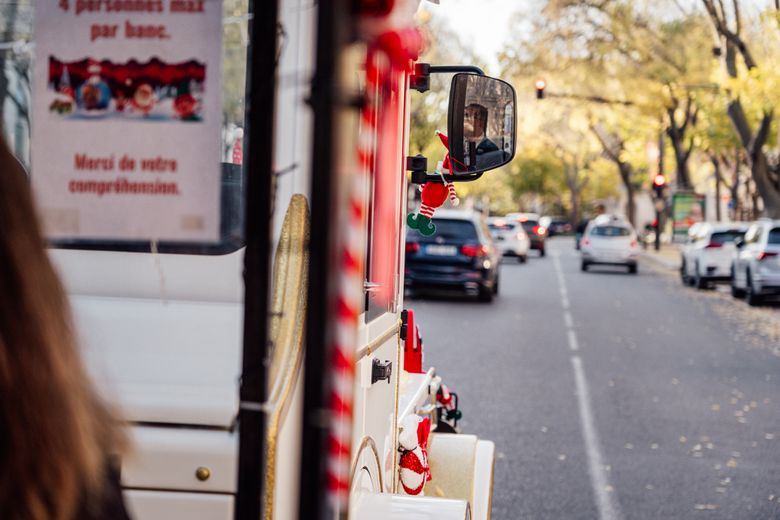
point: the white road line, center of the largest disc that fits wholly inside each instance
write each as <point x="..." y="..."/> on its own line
<point x="573" y="345"/>
<point x="606" y="502"/>
<point x="561" y="282"/>
<point x="568" y="320"/>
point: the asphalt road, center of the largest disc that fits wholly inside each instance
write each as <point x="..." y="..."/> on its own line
<point x="614" y="396"/>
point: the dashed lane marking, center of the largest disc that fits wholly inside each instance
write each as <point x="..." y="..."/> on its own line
<point x="606" y="501"/>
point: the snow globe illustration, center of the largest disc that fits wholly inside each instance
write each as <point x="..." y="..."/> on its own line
<point x="93" y="97"/>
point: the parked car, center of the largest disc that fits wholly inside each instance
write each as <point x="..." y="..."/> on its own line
<point x="536" y="232"/>
<point x="555" y="225"/>
<point x="579" y="231"/>
<point x="755" y="269"/>
<point x="459" y="255"/>
<point x="707" y="256"/>
<point x="510" y="238"/>
<point x="609" y="240"/>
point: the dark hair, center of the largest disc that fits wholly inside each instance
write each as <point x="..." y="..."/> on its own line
<point x="55" y="434"/>
<point x="482" y="111"/>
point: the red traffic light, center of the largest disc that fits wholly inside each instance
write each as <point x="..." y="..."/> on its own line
<point x="659" y="180"/>
<point x="540" y="85"/>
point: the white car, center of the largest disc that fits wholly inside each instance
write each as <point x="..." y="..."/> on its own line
<point x="707" y="256"/>
<point x="609" y="240"/>
<point x="510" y="237"/>
<point x="756" y="262"/>
<point x="685" y="249"/>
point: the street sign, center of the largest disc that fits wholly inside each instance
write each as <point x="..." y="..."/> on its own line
<point x="687" y="209"/>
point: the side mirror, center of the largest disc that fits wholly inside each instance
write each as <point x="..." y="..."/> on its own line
<point x="739" y="242"/>
<point x="480" y="125"/>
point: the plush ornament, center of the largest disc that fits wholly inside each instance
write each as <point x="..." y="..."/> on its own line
<point x="423" y="432"/>
<point x="445" y="397"/>
<point x="413" y="470"/>
<point x="433" y="195"/>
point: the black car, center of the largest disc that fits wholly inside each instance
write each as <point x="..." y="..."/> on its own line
<point x="536" y="233"/>
<point x="558" y="226"/>
<point x="459" y="255"/>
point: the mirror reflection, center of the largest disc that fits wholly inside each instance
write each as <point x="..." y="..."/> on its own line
<point x="482" y="123"/>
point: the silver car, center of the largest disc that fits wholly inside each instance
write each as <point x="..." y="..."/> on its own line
<point x="609" y="240"/>
<point x="510" y="237"/>
<point x="707" y="258"/>
<point x="755" y="268"/>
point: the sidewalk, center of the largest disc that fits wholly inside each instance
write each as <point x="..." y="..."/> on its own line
<point x="668" y="257"/>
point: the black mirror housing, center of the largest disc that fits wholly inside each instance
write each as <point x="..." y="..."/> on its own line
<point x="481" y="125"/>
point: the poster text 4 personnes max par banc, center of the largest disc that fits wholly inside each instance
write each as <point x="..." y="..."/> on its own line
<point x="126" y="118"/>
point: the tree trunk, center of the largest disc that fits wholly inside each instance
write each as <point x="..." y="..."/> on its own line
<point x="753" y="145"/>
<point x="735" y="180"/>
<point x="759" y="169"/>
<point x="676" y="133"/>
<point x="681" y="161"/>
<point x="626" y="173"/>
<point x="716" y="164"/>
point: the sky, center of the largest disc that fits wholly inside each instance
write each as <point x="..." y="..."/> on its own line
<point x="481" y="23"/>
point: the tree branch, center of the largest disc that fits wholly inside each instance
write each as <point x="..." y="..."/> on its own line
<point x="593" y="99"/>
<point x="739" y="121"/>
<point x="615" y="157"/>
<point x="761" y="136"/>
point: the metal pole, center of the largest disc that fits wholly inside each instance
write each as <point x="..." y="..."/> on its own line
<point x="658" y="213"/>
<point x="333" y="23"/>
<point x="259" y="145"/>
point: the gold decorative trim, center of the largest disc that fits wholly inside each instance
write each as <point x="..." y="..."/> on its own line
<point x="288" y="309"/>
<point x="367" y="442"/>
<point x="379" y="341"/>
<point x="394" y="487"/>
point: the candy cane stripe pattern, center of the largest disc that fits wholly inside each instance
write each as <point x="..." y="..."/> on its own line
<point x="350" y="296"/>
<point x="453" y="196"/>
<point x="426" y="210"/>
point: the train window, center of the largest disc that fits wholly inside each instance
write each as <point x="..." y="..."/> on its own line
<point x="16" y="30"/>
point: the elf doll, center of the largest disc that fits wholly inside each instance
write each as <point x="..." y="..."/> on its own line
<point x="433" y="195"/>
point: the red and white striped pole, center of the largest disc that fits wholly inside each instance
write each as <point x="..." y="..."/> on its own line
<point x="349" y="298"/>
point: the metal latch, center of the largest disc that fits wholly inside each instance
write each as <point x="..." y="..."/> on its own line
<point x="380" y="371"/>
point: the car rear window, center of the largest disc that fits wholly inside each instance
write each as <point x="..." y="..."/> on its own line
<point x="724" y="237"/>
<point x="507" y="226"/>
<point x="610" y="231"/>
<point x="448" y="230"/>
<point x="529" y="225"/>
<point x="774" y="236"/>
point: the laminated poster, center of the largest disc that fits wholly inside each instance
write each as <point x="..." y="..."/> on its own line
<point x="127" y="111"/>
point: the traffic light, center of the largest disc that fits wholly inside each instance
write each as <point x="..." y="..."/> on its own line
<point x="540" y="85"/>
<point x="659" y="183"/>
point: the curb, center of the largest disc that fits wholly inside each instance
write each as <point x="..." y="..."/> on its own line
<point x="666" y="264"/>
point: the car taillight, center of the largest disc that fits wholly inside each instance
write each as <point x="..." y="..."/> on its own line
<point x="765" y="254"/>
<point x="539" y="230"/>
<point x="634" y="243"/>
<point x="713" y="245"/>
<point x="474" y="250"/>
<point x="412" y="247"/>
<point x="585" y="242"/>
